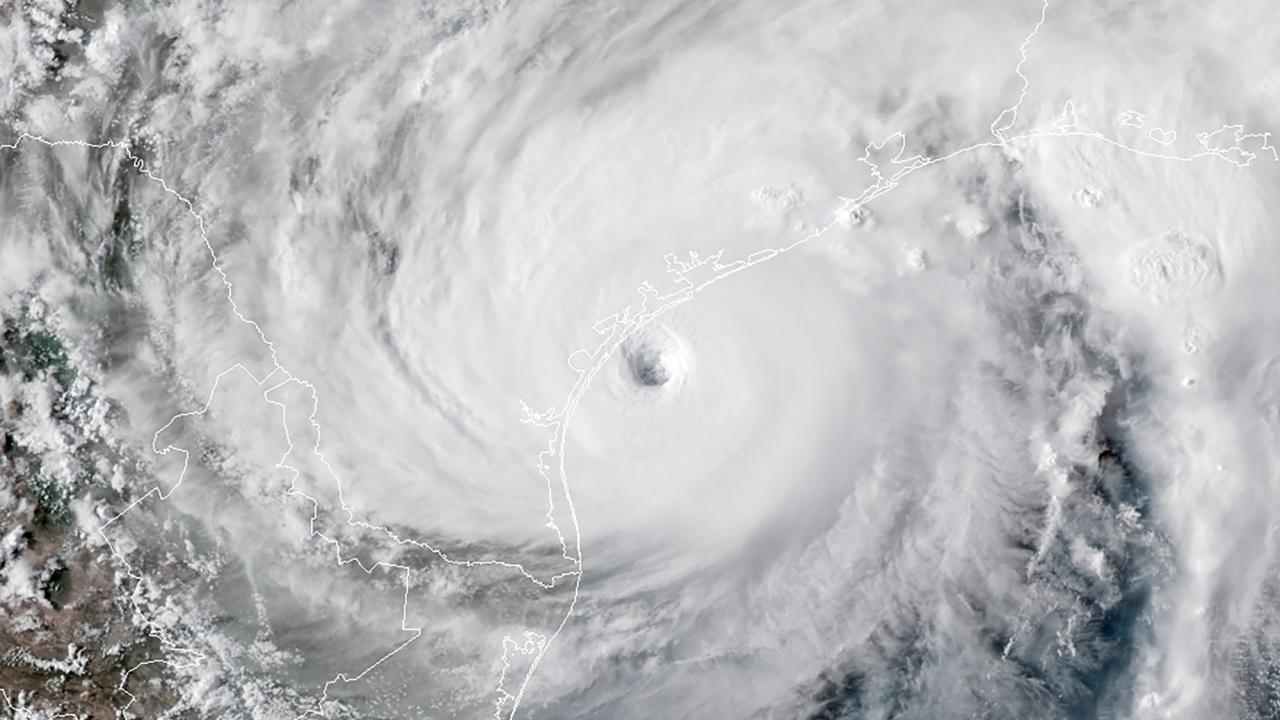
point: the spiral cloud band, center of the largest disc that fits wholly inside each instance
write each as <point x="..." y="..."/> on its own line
<point x="639" y="360"/>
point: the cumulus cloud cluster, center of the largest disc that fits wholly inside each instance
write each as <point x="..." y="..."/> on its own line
<point x="482" y="386"/>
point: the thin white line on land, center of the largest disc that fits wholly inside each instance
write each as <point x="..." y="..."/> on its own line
<point x="622" y="324"/>
<point x="615" y="328"/>
<point x="173" y="648"/>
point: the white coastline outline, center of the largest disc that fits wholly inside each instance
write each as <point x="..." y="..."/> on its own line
<point x="615" y="328"/>
<point x="620" y="325"/>
<point x="173" y="648"/>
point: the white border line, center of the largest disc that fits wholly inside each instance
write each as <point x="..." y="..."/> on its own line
<point x="278" y="369"/>
<point x="615" y="328"/>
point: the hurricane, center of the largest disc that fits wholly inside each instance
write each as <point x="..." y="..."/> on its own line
<point x="814" y="360"/>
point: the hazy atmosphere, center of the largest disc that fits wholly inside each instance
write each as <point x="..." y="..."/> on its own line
<point x="875" y="360"/>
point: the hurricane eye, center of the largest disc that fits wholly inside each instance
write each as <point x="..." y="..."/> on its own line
<point x="647" y="367"/>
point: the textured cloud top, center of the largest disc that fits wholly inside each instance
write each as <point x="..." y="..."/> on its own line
<point x="644" y="360"/>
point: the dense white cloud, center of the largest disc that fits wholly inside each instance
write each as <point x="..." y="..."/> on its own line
<point x="997" y="444"/>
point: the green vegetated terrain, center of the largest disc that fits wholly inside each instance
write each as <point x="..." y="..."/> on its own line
<point x="68" y="631"/>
